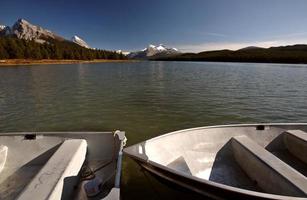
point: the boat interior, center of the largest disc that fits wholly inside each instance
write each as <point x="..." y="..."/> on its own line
<point x="57" y="165"/>
<point x="263" y="158"/>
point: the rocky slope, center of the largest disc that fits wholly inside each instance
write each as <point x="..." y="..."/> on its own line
<point x="79" y="41"/>
<point x="22" y="29"/>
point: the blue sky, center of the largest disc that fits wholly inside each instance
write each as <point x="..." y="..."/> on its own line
<point x="190" y="25"/>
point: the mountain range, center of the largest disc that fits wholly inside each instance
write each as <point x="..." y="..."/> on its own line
<point x="283" y="54"/>
<point x="153" y="51"/>
<point x="22" y="29"/>
<point x="24" y="40"/>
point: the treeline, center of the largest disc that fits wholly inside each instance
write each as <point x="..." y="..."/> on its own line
<point x="13" y="48"/>
<point x="285" y="54"/>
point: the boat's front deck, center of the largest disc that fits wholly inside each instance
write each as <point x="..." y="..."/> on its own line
<point x="50" y="164"/>
<point x="25" y="158"/>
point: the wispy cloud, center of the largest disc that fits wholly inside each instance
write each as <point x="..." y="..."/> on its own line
<point x="207" y="34"/>
<point x="291" y="35"/>
<point x="277" y="40"/>
<point x="208" y="46"/>
<point x="214" y="34"/>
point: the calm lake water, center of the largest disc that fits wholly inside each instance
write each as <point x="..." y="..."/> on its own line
<point x="147" y="99"/>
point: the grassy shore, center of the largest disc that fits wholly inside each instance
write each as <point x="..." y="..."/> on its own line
<point x="9" y="62"/>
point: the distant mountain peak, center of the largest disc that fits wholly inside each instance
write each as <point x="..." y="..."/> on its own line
<point x="21" y="20"/>
<point x="76" y="39"/>
<point x="250" y="48"/>
<point x="154" y="50"/>
<point x="125" y="53"/>
<point x="2" y="27"/>
<point x="159" y="47"/>
<point x="23" y="29"/>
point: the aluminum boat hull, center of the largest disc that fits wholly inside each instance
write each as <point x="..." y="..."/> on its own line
<point x="214" y="142"/>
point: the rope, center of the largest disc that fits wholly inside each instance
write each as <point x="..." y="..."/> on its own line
<point x="87" y="173"/>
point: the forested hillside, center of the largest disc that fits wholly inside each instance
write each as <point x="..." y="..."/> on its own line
<point x="14" y="48"/>
<point x="283" y="54"/>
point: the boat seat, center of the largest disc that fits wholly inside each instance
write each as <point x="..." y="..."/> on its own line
<point x="199" y="163"/>
<point x="64" y="163"/>
<point x="296" y="143"/>
<point x="270" y="173"/>
<point x="180" y="164"/>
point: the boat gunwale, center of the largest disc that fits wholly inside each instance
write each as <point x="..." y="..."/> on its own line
<point x="226" y="126"/>
<point x="211" y="183"/>
<point x="54" y="133"/>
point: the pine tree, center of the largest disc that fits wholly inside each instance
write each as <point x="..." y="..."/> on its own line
<point x="16" y="48"/>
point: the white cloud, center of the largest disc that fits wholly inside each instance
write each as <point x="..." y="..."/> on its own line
<point x="222" y="45"/>
<point x="214" y="34"/>
<point x="279" y="40"/>
<point x="237" y="45"/>
<point x="291" y="35"/>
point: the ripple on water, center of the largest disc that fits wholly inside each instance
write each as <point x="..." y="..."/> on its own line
<point x="147" y="99"/>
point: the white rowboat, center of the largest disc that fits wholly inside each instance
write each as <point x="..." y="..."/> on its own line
<point x="250" y="161"/>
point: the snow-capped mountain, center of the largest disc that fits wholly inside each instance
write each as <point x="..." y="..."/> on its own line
<point x="154" y="51"/>
<point x="79" y="41"/>
<point x="4" y="30"/>
<point x="23" y="29"/>
<point x="125" y="53"/>
<point x="2" y="27"/>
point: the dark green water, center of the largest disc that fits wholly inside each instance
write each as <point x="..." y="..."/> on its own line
<point x="147" y="99"/>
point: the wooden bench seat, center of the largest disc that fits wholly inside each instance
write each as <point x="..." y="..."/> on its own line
<point x="65" y="162"/>
<point x="270" y="173"/>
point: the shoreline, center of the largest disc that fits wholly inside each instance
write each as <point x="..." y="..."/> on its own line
<point x="12" y="62"/>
